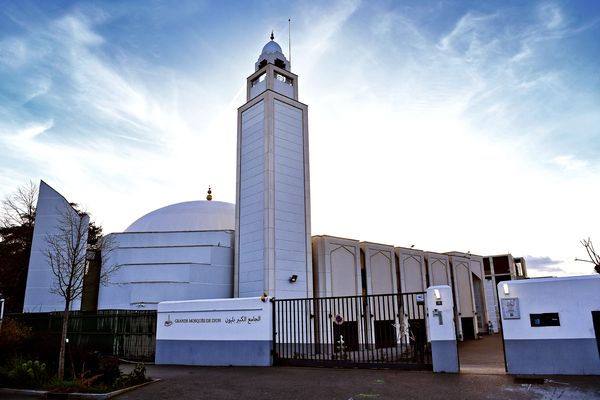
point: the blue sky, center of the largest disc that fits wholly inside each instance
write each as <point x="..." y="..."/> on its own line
<point x="469" y="126"/>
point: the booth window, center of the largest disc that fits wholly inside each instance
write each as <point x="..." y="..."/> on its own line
<point x="284" y="79"/>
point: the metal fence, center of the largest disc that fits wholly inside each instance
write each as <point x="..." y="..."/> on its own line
<point x="369" y="331"/>
<point x="123" y="333"/>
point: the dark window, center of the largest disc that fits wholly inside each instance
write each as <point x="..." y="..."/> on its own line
<point x="501" y="265"/>
<point x="545" y="319"/>
<point x="486" y="266"/>
<point x="279" y="63"/>
<point x="349" y="331"/>
<point x="262" y="64"/>
<point x="385" y="334"/>
<point x="468" y="330"/>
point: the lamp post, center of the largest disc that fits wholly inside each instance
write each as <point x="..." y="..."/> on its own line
<point x="1" y="310"/>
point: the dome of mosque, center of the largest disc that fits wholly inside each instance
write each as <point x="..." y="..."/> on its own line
<point x="272" y="47"/>
<point x="188" y="216"/>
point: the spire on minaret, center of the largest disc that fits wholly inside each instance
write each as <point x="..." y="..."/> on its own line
<point x="272" y="36"/>
<point x="209" y="195"/>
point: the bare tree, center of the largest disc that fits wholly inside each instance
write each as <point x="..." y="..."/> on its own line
<point x="18" y="208"/>
<point x="67" y="253"/>
<point x="17" y="216"/>
<point x="594" y="257"/>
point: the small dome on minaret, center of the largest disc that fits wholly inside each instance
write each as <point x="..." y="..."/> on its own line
<point x="272" y="54"/>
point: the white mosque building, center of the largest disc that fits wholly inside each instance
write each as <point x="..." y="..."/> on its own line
<point x="211" y="249"/>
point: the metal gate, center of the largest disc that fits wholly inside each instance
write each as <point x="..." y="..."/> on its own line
<point x="375" y="331"/>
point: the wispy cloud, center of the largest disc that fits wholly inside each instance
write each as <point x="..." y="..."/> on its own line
<point x="31" y="132"/>
<point x="541" y="261"/>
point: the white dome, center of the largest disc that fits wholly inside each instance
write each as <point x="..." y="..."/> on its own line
<point x="188" y="216"/>
<point x="272" y="47"/>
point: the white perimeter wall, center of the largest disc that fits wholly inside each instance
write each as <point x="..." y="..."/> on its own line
<point x="573" y="298"/>
<point x="243" y="319"/>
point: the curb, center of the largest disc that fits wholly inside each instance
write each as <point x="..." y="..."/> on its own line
<point x="44" y="394"/>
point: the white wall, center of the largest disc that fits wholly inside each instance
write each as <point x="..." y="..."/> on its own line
<point x="413" y="275"/>
<point x="51" y="207"/>
<point x="290" y="203"/>
<point x="438" y="269"/>
<point x="491" y="304"/>
<point x="571" y="348"/>
<point x="215" y="332"/>
<point x="167" y="266"/>
<point x="380" y="268"/>
<point x="273" y="199"/>
<point x="251" y="201"/>
<point x="573" y="298"/>
<point x="336" y="266"/>
<point x="229" y="319"/>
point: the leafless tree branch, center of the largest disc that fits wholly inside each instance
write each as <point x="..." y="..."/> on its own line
<point x="18" y="208"/>
<point x="594" y="257"/>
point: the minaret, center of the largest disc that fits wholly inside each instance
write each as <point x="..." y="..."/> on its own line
<point x="272" y="237"/>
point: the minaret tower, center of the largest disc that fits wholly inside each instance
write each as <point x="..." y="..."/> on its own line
<point x="272" y="237"/>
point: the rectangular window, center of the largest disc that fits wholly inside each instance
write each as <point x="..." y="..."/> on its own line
<point x="258" y="79"/>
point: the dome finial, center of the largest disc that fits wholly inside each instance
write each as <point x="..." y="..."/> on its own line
<point x="209" y="195"/>
<point x="272" y="36"/>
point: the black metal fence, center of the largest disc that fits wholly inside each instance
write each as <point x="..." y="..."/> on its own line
<point x="126" y="334"/>
<point x="370" y="331"/>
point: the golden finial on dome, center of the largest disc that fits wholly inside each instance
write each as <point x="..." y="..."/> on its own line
<point x="209" y="195"/>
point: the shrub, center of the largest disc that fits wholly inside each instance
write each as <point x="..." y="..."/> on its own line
<point x="135" y="377"/>
<point x="27" y="373"/>
<point x="109" y="368"/>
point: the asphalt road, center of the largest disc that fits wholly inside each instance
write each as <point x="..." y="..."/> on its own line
<point x="291" y="383"/>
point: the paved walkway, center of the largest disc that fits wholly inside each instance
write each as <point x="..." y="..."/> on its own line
<point x="483" y="356"/>
<point x="290" y="383"/>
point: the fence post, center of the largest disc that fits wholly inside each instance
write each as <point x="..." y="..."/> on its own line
<point x="440" y="317"/>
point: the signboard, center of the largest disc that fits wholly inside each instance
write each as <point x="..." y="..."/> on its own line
<point x="420" y="298"/>
<point x="215" y="332"/>
<point x="510" y="308"/>
<point x="338" y="319"/>
<point x="243" y="319"/>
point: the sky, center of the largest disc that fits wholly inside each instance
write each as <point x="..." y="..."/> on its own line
<point x="447" y="125"/>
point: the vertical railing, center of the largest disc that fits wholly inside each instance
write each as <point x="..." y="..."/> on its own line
<point x="121" y="333"/>
<point x="352" y="330"/>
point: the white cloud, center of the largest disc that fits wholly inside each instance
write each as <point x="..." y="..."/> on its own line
<point x="569" y="162"/>
<point x="32" y="131"/>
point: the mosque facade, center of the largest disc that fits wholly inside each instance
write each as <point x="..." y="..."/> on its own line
<point x="262" y="244"/>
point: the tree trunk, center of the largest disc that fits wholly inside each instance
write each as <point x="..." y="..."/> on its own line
<point x="63" y="339"/>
